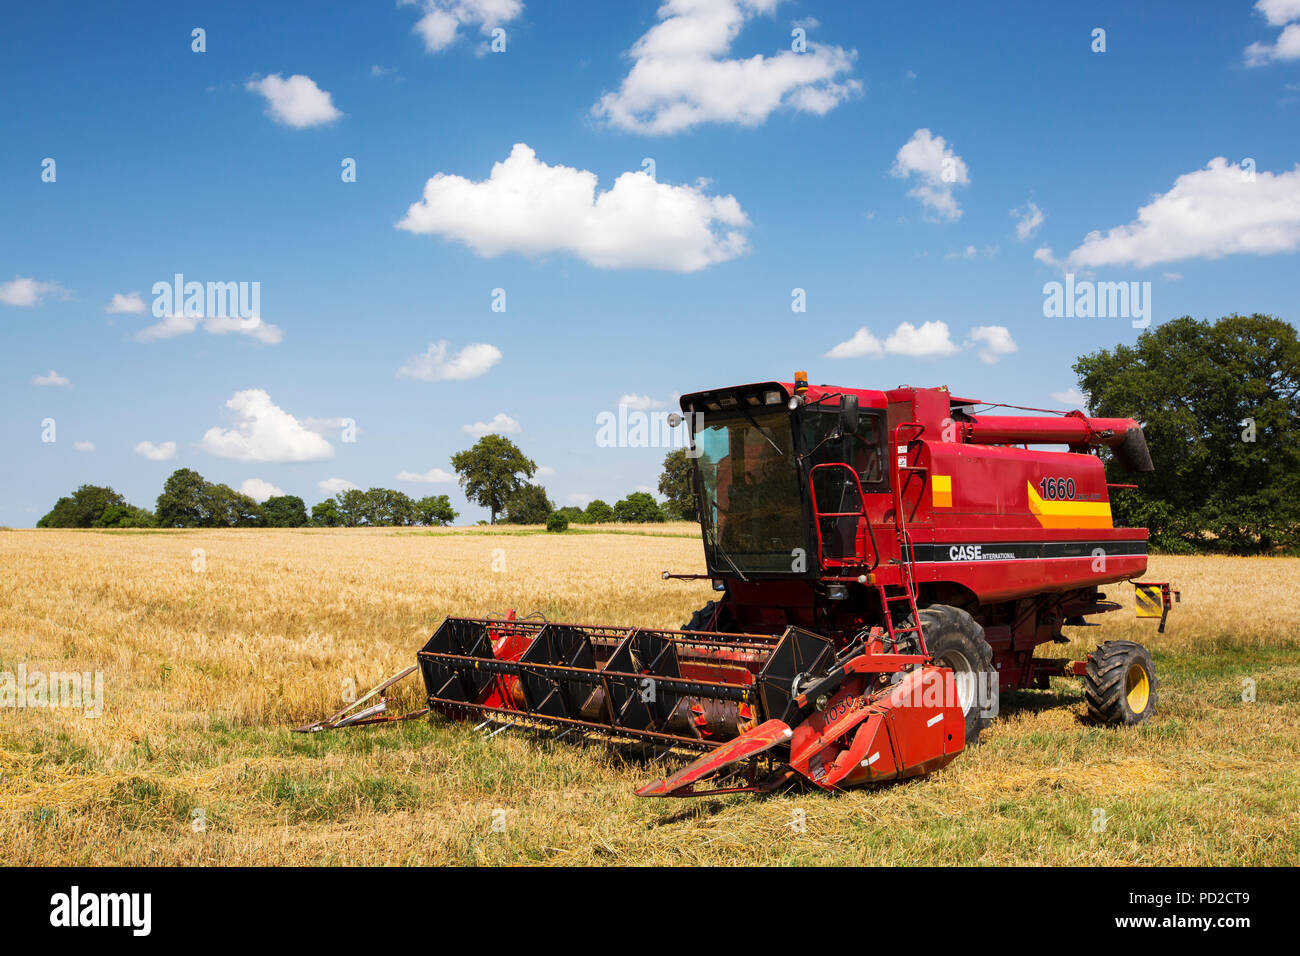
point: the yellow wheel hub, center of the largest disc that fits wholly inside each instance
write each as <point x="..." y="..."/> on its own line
<point x="1137" y="688"/>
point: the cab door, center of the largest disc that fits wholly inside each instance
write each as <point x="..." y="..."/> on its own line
<point x="845" y="473"/>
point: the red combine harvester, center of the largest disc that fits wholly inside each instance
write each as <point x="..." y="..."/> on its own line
<point x="886" y="561"/>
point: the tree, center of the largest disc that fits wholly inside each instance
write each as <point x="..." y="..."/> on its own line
<point x="325" y="514"/>
<point x="598" y="512"/>
<point x="182" y="503"/>
<point x="435" y="510"/>
<point x="638" y="507"/>
<point x="1219" y="406"/>
<point x="529" y="505"/>
<point x="227" y="508"/>
<point x="492" y="471"/>
<point x="190" y="501"/>
<point x="572" y="514"/>
<point x="401" y="508"/>
<point x="372" y="508"/>
<point x="124" y="516"/>
<point x="353" y="507"/>
<point x="557" y="522"/>
<point x="284" y="511"/>
<point x="86" y="506"/>
<point x="676" y="483"/>
<point x="384" y="508"/>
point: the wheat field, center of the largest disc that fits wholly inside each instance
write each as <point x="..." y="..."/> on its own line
<point x="212" y="644"/>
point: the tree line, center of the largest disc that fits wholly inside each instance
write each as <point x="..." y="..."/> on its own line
<point x="188" y="500"/>
<point x="494" y="474"/>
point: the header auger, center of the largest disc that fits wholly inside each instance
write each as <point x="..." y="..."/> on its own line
<point x="886" y="563"/>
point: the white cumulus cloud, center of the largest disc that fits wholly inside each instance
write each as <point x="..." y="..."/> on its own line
<point x="332" y="486"/>
<point x="682" y="76"/>
<point x="1028" y="218"/>
<point x="929" y="340"/>
<point x="1285" y="47"/>
<point x="171" y="326"/>
<point x="442" y="19"/>
<point x="160" y="451"/>
<point x="168" y="327"/>
<point x="259" y="490"/>
<point x="253" y="327"/>
<point x="1278" y="12"/>
<point x="993" y="342"/>
<point x="53" y="378"/>
<point x="1071" y="397"/>
<point x="1220" y="210"/>
<point x="530" y="208"/>
<point x="437" y="365"/>
<point x="501" y="424"/>
<point x="264" y="432"/>
<point x="931" y="163"/>
<point x="296" y="102"/>
<point x="1044" y="255"/>
<point x="1287" y="44"/>
<point x="544" y="471"/>
<point x="862" y="345"/>
<point x="26" y="291"/>
<point x="434" y="476"/>
<point x="327" y="426"/>
<point x="130" y="302"/>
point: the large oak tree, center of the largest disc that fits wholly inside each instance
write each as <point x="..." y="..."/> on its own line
<point x="492" y="472"/>
<point x="1218" y="402"/>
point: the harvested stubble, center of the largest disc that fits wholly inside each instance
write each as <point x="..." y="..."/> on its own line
<point x="191" y="761"/>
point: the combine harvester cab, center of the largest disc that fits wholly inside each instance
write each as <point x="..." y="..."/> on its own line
<point x="886" y="563"/>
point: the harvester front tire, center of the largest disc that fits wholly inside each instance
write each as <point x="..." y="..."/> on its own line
<point x="1119" y="684"/>
<point x="954" y="639"/>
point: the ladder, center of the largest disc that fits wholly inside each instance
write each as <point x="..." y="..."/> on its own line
<point x="899" y="466"/>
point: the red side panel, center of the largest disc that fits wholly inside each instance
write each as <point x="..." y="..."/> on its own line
<point x="913" y="728"/>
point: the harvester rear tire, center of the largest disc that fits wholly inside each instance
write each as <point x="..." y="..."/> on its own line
<point x="1120" y="684"/>
<point x="954" y="639"/>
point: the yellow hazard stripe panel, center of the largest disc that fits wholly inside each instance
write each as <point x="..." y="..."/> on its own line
<point x="1068" y="514"/>
<point x="941" y="490"/>
<point x="1150" y="602"/>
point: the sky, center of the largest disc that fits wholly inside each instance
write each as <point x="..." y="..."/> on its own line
<point x="466" y="216"/>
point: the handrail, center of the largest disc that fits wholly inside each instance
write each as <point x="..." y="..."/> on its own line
<point x="861" y="513"/>
<point x="906" y="552"/>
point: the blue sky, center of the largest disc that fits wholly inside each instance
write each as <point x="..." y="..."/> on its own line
<point x="821" y="170"/>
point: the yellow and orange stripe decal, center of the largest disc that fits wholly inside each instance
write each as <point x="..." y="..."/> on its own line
<point x="941" y="490"/>
<point x="1068" y="514"/>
